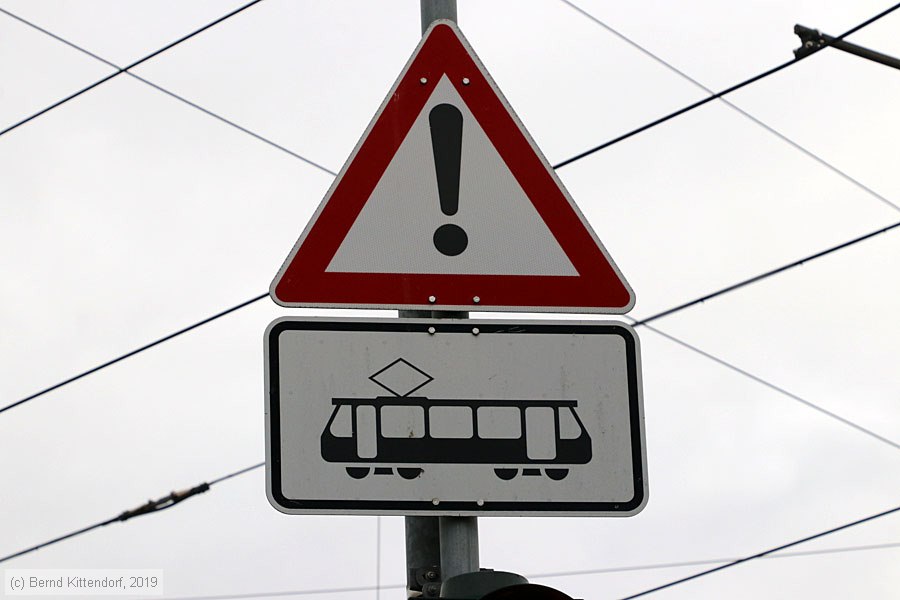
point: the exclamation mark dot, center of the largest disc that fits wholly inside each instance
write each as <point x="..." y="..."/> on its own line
<point x="446" y="143"/>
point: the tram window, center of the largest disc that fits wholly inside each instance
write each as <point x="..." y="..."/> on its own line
<point x="503" y="422"/>
<point x="568" y="426"/>
<point x="540" y="437"/>
<point x="403" y="421"/>
<point x="342" y="426"/>
<point x="450" y="421"/>
<point x="366" y="437"/>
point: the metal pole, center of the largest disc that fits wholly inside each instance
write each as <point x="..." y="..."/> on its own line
<point x="423" y="556"/>
<point x="459" y="546"/>
<point x="812" y="40"/>
<point x="432" y="10"/>
<point x="450" y="542"/>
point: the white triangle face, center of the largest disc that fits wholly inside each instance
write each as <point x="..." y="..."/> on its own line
<point x="394" y="230"/>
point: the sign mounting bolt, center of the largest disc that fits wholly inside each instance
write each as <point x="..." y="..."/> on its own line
<point x="432" y="331"/>
<point x="432" y="299"/>
<point x="423" y="80"/>
<point x="480" y="502"/>
<point x="466" y="81"/>
<point x="435" y="501"/>
<point x="476" y="299"/>
<point x="475" y="331"/>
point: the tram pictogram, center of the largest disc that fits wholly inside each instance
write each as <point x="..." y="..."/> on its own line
<point x="402" y="432"/>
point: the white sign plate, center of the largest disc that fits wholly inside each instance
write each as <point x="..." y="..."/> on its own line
<point x="454" y="417"/>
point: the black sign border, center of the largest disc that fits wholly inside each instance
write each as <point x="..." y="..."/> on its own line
<point x="273" y="464"/>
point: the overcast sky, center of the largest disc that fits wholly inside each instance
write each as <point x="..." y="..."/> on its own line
<point x="126" y="214"/>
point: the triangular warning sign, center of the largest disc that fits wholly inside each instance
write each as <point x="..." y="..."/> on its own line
<point x="447" y="204"/>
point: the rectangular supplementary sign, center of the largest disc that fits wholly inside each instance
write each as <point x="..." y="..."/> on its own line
<point x="454" y="417"/>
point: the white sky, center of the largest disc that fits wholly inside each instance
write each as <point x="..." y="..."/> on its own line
<point x="125" y="215"/>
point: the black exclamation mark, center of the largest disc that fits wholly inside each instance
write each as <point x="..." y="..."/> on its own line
<point x="446" y="143"/>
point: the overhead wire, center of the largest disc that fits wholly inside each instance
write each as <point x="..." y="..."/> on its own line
<point x="174" y="498"/>
<point x="764" y="553"/>
<point x="774" y="387"/>
<point x="797" y="146"/>
<point x="168" y="92"/>
<point x="759" y="122"/>
<point x="378" y="586"/>
<point x="757" y="278"/>
<point x="605" y="145"/>
<point x="635" y="323"/>
<point x="177" y="497"/>
<point x="724" y="92"/>
<point x="550" y="575"/>
<point x="131" y="353"/>
<point x="306" y="592"/>
<point x="121" y="70"/>
<point x="713" y="561"/>
<point x="151" y="506"/>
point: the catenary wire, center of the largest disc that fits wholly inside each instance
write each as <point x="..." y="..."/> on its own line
<point x="151" y="506"/>
<point x="583" y="572"/>
<point x="605" y="145"/>
<point x="636" y="323"/>
<point x="169" y="498"/>
<point x="133" y="352"/>
<point x="772" y="386"/>
<point x="378" y="586"/>
<point x="174" y="498"/>
<point x="237" y="473"/>
<point x="797" y="146"/>
<point x="724" y="92"/>
<point x="168" y="92"/>
<point x="118" y="72"/>
<point x="714" y="561"/>
<point x="767" y="274"/>
<point x="307" y="592"/>
<point x="740" y="561"/>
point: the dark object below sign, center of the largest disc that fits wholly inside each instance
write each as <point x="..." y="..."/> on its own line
<point x="527" y="591"/>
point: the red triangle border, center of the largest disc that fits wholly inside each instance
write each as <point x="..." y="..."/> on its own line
<point x="599" y="287"/>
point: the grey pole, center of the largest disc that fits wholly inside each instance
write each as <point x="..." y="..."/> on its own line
<point x="448" y="542"/>
<point x="459" y="546"/>
<point x="432" y="10"/>
<point x="423" y="554"/>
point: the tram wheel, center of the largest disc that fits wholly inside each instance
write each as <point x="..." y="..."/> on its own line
<point x="408" y="473"/>
<point x="506" y="474"/>
<point x="358" y="472"/>
<point x="556" y="474"/>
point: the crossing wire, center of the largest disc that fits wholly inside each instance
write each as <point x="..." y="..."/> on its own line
<point x="122" y="357"/>
<point x="724" y="92"/>
<point x="338" y="590"/>
<point x="772" y="386"/>
<point x="168" y="92"/>
<point x="638" y="323"/>
<point x="177" y="497"/>
<point x="151" y="506"/>
<point x="767" y="274"/>
<point x="646" y="567"/>
<point x="759" y="122"/>
<point x="764" y="553"/>
<point x="119" y="71"/>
